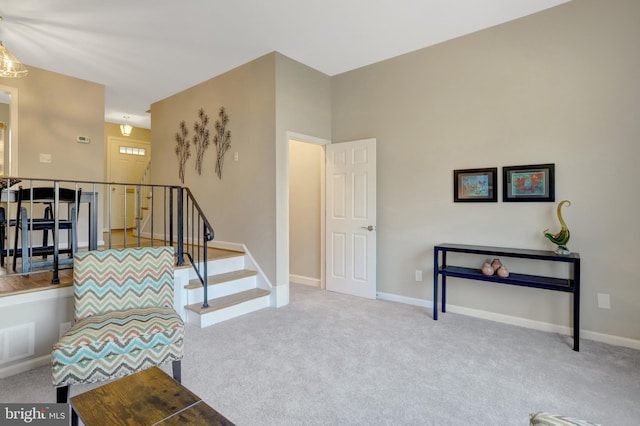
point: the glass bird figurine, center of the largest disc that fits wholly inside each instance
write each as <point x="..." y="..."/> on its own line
<point x="561" y="238"/>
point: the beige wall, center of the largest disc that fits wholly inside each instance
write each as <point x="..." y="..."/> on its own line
<point x="241" y="205"/>
<point x="560" y="86"/>
<point x="303" y="99"/>
<point x="305" y="210"/>
<point x="53" y="110"/>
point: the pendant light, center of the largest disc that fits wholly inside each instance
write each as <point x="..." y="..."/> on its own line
<point x="9" y="65"/>
<point x="125" y="128"/>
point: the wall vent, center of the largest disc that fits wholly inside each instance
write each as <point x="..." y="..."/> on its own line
<point x="17" y="342"/>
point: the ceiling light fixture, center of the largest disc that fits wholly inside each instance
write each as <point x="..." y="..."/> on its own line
<point x="126" y="128"/>
<point x="9" y="65"/>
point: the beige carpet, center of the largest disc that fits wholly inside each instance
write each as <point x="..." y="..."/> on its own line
<point x="328" y="358"/>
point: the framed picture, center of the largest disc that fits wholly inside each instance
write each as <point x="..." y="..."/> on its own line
<point x="529" y="183"/>
<point x="475" y="185"/>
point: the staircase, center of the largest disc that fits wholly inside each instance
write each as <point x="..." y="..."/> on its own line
<point x="144" y="199"/>
<point x="142" y="216"/>
<point x="233" y="289"/>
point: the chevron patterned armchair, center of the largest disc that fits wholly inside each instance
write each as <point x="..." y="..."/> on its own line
<point x="124" y="318"/>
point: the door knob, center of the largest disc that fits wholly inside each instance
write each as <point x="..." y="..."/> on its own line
<point x="368" y="228"/>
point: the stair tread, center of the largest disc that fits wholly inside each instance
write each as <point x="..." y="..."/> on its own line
<point x="227" y="301"/>
<point x="221" y="278"/>
<point x="214" y="254"/>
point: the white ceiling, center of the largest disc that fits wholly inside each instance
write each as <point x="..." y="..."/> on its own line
<point x="146" y="50"/>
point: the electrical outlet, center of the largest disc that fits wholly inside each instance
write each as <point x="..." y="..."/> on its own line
<point x="604" y="301"/>
<point x="418" y="275"/>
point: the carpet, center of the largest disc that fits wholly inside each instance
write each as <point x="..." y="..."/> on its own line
<point x="329" y="358"/>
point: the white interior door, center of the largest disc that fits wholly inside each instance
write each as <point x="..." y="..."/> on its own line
<point x="351" y="218"/>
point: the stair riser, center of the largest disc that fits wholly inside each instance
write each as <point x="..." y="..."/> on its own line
<point x="195" y="295"/>
<point x="215" y="317"/>
<point x="221" y="266"/>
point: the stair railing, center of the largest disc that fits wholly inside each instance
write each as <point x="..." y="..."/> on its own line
<point x="173" y="208"/>
<point x="198" y="231"/>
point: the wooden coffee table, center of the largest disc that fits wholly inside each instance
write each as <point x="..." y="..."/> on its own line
<point x="145" y="398"/>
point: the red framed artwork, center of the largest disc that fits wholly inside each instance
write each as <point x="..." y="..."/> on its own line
<point x="528" y="183"/>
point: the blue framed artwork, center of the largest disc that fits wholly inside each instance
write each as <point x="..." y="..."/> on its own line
<point x="475" y="185"/>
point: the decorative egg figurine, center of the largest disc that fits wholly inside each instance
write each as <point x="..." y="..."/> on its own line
<point x="487" y="269"/>
<point x="496" y="264"/>
<point x="502" y="272"/>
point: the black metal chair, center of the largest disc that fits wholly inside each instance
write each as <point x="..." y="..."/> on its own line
<point x="26" y="221"/>
<point x="5" y="183"/>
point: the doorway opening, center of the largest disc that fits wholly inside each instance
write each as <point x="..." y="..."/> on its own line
<point x="127" y="161"/>
<point x="306" y="207"/>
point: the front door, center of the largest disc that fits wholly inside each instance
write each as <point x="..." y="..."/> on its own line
<point x="127" y="161"/>
<point x="351" y="218"/>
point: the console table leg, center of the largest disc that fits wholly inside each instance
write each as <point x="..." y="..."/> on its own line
<point x="576" y="320"/>
<point x="576" y="306"/>
<point x="444" y="293"/>
<point x="435" y="284"/>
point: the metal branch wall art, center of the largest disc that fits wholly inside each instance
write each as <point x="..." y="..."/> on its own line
<point x="201" y="138"/>
<point x="182" y="148"/>
<point x="222" y="140"/>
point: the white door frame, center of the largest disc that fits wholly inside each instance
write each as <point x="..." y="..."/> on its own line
<point x="11" y="136"/>
<point x="322" y="144"/>
<point x="282" y="215"/>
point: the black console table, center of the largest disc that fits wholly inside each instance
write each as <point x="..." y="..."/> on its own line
<point x="570" y="285"/>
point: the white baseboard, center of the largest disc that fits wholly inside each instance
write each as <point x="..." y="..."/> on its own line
<point x="403" y="299"/>
<point x="225" y="245"/>
<point x="299" y="279"/>
<point x="23" y="366"/>
<point x="610" y="339"/>
<point x="521" y="322"/>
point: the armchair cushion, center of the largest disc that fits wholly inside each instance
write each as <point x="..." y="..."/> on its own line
<point x="116" y="344"/>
